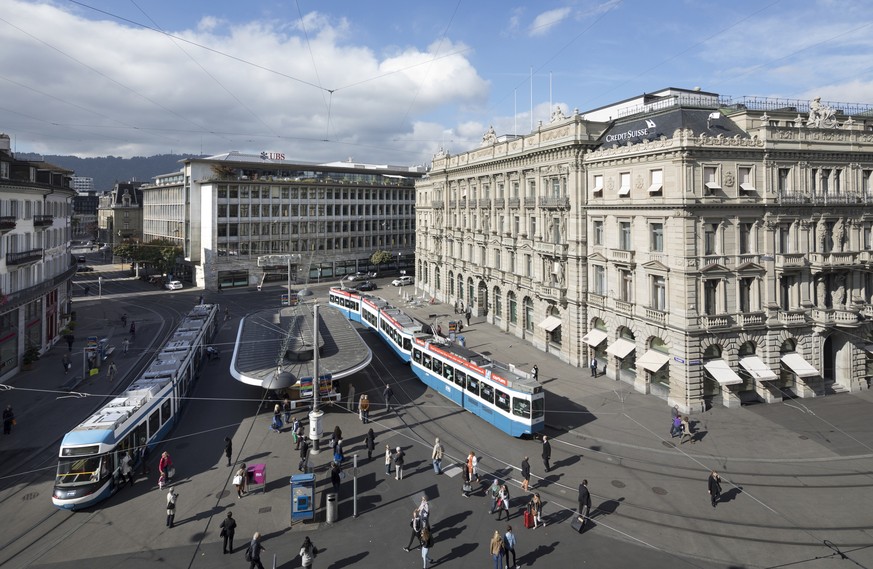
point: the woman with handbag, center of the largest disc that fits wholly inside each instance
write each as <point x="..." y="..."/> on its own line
<point x="165" y="467"/>
<point x="240" y="481"/>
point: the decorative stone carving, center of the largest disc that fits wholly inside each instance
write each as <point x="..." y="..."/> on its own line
<point x="820" y="115"/>
<point x="490" y="137"/>
<point x="839" y="293"/>
<point x="838" y="235"/>
<point x="729" y="179"/>
<point x="558" y="114"/>
<point x="821" y="235"/>
<point x="821" y="291"/>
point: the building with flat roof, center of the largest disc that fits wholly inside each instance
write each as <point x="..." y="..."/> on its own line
<point x="708" y="251"/>
<point x="35" y="263"/>
<point x="243" y="219"/>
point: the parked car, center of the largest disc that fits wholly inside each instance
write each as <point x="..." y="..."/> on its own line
<point x="81" y="259"/>
<point x="359" y="276"/>
<point x="402" y="281"/>
<point x="366" y="285"/>
<point x="173" y="285"/>
<point x="84" y="269"/>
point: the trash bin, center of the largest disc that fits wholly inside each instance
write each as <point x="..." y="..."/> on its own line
<point x="332" y="508"/>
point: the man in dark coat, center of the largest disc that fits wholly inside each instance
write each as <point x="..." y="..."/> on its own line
<point x="525" y="474"/>
<point x="714" y="487"/>
<point x="547" y="453"/>
<point x="228" y="527"/>
<point x="304" y="455"/>
<point x="387" y="395"/>
<point x="228" y="449"/>
<point x="584" y="505"/>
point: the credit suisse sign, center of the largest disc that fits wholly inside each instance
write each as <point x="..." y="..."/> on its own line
<point x="634" y="133"/>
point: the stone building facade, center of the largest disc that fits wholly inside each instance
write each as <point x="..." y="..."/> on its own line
<point x="707" y="251"/>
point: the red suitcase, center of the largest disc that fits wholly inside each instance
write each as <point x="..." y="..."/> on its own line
<point x="528" y="518"/>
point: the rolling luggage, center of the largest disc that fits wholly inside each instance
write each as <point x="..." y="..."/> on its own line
<point x="528" y="518"/>
<point x="577" y="523"/>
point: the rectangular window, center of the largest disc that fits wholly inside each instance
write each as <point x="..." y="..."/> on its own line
<point x="659" y="292"/>
<point x="515" y="189"/>
<point x="624" y="184"/>
<point x="461" y="379"/>
<point x="598" y="184"/>
<point x="556" y="230"/>
<point x="487" y="393"/>
<point x="626" y="290"/>
<point x="533" y="227"/>
<point x="746" y="294"/>
<point x="556" y="187"/>
<point x="656" y="181"/>
<point x="745" y="180"/>
<point x="501" y="400"/>
<point x="710" y="231"/>
<point x="531" y="188"/>
<point x="597" y="232"/>
<point x="710" y="297"/>
<point x="785" y="238"/>
<point x="866" y="181"/>
<point x="473" y="385"/>
<point x="783" y="181"/>
<point x="657" y="230"/>
<point x="866" y="236"/>
<point x="516" y="225"/>
<point x="497" y="259"/>
<point x="710" y="178"/>
<point x="745" y="238"/>
<point x="786" y="287"/>
<point x="600" y="280"/>
<point x="624" y="236"/>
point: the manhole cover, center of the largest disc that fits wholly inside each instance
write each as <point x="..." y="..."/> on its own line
<point x="30" y="496"/>
<point x="803" y="438"/>
<point x="668" y="444"/>
<point x="266" y="510"/>
<point x="659" y="491"/>
<point x="618" y="483"/>
<point x="223" y="494"/>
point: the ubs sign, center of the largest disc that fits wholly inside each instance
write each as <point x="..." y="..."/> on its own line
<point x="265" y="155"/>
<point x="633" y="134"/>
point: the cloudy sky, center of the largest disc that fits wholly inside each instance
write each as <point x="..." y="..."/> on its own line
<point x="386" y="81"/>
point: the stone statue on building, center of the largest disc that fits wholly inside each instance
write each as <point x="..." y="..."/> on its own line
<point x="490" y="137"/>
<point x="838" y="295"/>
<point x="821" y="235"/>
<point x="821" y="288"/>
<point x="557" y="114"/>
<point x="820" y="115"/>
<point x="838" y="235"/>
<point x="559" y="274"/>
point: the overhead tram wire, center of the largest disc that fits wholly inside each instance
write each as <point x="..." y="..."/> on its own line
<point x="206" y="71"/>
<point x="329" y="102"/>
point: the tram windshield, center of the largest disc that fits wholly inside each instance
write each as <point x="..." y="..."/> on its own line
<point x="81" y="470"/>
<point x="539" y="407"/>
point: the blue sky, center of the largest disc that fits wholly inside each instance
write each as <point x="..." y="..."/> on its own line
<point x="389" y="81"/>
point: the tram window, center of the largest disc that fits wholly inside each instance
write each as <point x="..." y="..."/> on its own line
<point x="487" y="393"/>
<point x="521" y="407"/>
<point x="165" y="411"/>
<point x="501" y="399"/>
<point x="416" y="355"/>
<point x="72" y="471"/>
<point x="425" y="361"/>
<point x="437" y="366"/>
<point x="141" y="435"/>
<point x="154" y="423"/>
<point x="472" y="385"/>
<point x="407" y="344"/>
<point x="448" y="372"/>
<point x="461" y="379"/>
<point x="539" y="407"/>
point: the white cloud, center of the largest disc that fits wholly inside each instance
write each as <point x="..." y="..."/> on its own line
<point x="545" y="21"/>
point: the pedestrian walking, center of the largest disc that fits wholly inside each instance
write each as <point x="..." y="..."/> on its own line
<point x="228" y="449"/>
<point x="399" y="458"/>
<point x="496" y="550"/>
<point x="674" y="412"/>
<point x="127" y="468"/>
<point x="686" y="431"/>
<point x="437" y="456"/>
<point x="536" y="510"/>
<point x="253" y="555"/>
<point x="714" y="488"/>
<point x="387" y="395"/>
<point x="304" y="456"/>
<point x="228" y="528"/>
<point x="509" y="543"/>
<point x="111" y="371"/>
<point x="371" y="444"/>
<point x="424" y="511"/>
<point x="364" y="409"/>
<point x="583" y="502"/>
<point x="276" y="424"/>
<point x="166" y="468"/>
<point x="547" y="453"/>
<point x="415" y="525"/>
<point x="8" y="420"/>
<point x="335" y="476"/>
<point x="70" y="339"/>
<point x="468" y="314"/>
<point x="525" y="474"/>
<point x="474" y="466"/>
<point x="676" y="427"/>
<point x="308" y="552"/>
<point x="143" y="457"/>
<point x="467" y="486"/>
<point x="65" y="361"/>
<point x="593" y="366"/>
<point x="171" y="506"/>
<point x="535" y="373"/>
<point x="240" y="480"/>
<point x="124" y="319"/>
<point x="493" y="493"/>
<point x="335" y="436"/>
<point x="426" y="544"/>
<point x="503" y="502"/>
<point x="299" y="431"/>
<point x="125" y="345"/>
<point x="133" y="329"/>
<point x="286" y="409"/>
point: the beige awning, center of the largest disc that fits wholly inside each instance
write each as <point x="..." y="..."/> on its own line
<point x="757" y="368"/>
<point x="799" y="366"/>
<point x="550" y="323"/>
<point x="621" y="348"/>
<point x="722" y="372"/>
<point x="594" y="337"/>
<point x="653" y="360"/>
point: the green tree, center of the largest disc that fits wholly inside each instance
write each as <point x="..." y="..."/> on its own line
<point x="380" y="258"/>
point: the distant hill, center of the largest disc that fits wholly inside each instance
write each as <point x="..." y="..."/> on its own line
<point x="107" y="170"/>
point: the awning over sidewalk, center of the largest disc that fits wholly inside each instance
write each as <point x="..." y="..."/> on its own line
<point x="594" y="337"/>
<point x="550" y="323"/>
<point x="722" y="372"/>
<point x="621" y="348"/>
<point x="799" y="366"/>
<point x="757" y="368"/>
<point x="653" y="360"/>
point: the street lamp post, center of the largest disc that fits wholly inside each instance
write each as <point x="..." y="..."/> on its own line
<point x="315" y="428"/>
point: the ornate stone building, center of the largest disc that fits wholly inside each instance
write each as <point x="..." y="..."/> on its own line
<point x="707" y="251"/>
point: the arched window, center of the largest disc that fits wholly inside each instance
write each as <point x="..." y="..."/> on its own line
<point x="513" y="308"/>
<point x="498" y="303"/>
<point x="528" y="314"/>
<point x="460" y="287"/>
<point x="451" y="283"/>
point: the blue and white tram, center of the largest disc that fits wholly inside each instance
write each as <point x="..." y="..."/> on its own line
<point x="89" y="465"/>
<point x="511" y="401"/>
<point x="348" y="302"/>
<point x="399" y="329"/>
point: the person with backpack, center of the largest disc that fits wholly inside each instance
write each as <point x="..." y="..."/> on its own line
<point x="253" y="552"/>
<point x="308" y="552"/>
<point x="416" y="526"/>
